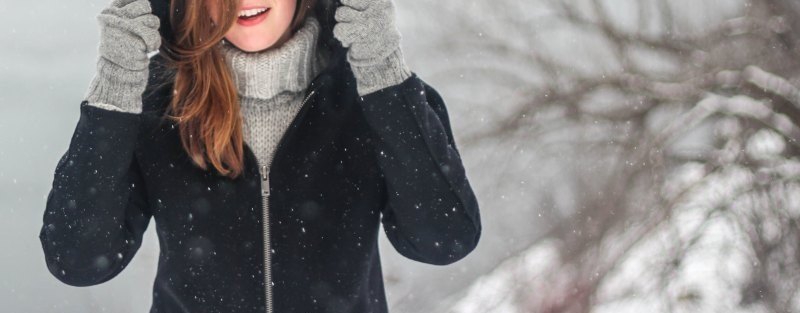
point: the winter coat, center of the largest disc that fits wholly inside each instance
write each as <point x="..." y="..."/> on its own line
<point x="345" y="166"/>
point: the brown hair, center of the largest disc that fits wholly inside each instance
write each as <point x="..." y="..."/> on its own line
<point x="205" y="102"/>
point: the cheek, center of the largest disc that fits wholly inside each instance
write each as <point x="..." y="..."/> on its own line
<point x="285" y="11"/>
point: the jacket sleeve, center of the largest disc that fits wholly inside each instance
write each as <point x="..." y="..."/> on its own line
<point x="430" y="212"/>
<point x="96" y="211"/>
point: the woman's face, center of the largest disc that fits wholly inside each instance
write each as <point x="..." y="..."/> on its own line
<point x="261" y="31"/>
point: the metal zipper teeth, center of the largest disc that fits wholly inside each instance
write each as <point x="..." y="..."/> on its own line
<point x="265" y="207"/>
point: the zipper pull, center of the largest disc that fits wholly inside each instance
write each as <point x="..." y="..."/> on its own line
<point x="264" y="180"/>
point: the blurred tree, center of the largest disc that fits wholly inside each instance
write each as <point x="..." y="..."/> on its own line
<point x="682" y="120"/>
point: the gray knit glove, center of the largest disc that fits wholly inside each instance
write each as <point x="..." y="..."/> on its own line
<point x="367" y="28"/>
<point x="129" y="31"/>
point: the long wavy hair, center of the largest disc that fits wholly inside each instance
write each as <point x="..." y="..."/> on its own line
<point x="205" y="103"/>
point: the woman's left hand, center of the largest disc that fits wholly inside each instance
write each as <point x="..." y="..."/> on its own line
<point x="367" y="28"/>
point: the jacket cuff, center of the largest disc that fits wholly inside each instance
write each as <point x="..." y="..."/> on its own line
<point x="113" y="85"/>
<point x="371" y="77"/>
<point x="106" y="106"/>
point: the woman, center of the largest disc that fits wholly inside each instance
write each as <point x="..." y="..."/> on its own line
<point x="269" y="140"/>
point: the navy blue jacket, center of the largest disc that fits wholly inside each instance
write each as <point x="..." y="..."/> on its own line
<point x="345" y="166"/>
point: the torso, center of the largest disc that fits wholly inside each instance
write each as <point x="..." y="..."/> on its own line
<point x="324" y="213"/>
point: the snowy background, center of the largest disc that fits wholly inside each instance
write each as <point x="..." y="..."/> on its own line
<point x="628" y="155"/>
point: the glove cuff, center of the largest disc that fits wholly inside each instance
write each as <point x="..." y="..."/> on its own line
<point x="115" y="86"/>
<point x="371" y="77"/>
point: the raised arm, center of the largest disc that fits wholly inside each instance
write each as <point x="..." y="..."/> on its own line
<point x="97" y="210"/>
<point x="430" y="213"/>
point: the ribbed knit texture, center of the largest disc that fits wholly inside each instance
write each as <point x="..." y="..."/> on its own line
<point x="368" y="29"/>
<point x="128" y="31"/>
<point x="115" y="88"/>
<point x="271" y="86"/>
<point x="389" y="71"/>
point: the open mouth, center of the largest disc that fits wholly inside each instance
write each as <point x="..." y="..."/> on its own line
<point x="252" y="14"/>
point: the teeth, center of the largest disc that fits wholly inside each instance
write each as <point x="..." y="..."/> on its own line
<point x="251" y="12"/>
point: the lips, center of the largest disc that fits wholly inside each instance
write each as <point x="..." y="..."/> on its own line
<point x="253" y="20"/>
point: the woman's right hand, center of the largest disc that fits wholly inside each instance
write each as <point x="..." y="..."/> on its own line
<point x="128" y="33"/>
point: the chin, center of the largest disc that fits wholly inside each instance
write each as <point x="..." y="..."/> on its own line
<point x="253" y="45"/>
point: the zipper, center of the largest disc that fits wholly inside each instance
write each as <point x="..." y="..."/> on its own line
<point x="265" y="193"/>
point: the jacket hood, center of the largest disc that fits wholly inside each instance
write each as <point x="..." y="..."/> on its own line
<point x="323" y="9"/>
